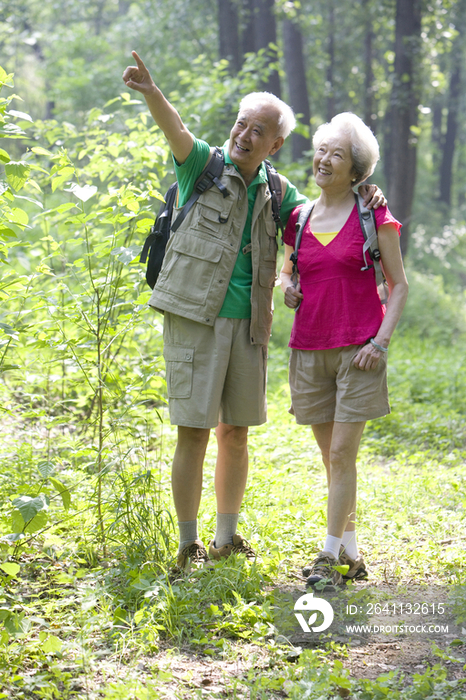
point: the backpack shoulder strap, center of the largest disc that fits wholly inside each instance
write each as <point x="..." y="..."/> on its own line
<point x="210" y="176"/>
<point x="371" y="245"/>
<point x="303" y="216"/>
<point x="275" y="186"/>
<point x="162" y="221"/>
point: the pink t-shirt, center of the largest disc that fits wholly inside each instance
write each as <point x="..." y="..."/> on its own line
<point x="341" y="305"/>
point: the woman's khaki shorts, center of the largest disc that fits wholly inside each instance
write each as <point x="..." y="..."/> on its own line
<point x="326" y="386"/>
<point x="214" y="373"/>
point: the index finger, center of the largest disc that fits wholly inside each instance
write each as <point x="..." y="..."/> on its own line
<point x="137" y="59"/>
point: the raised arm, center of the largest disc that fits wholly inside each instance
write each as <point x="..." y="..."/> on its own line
<point x="165" y="115"/>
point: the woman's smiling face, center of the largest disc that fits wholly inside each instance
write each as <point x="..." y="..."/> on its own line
<point x="333" y="163"/>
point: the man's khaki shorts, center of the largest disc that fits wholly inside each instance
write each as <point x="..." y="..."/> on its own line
<point x="213" y="373"/>
<point x="326" y="386"/>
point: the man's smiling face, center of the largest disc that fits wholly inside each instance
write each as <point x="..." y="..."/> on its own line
<point x="253" y="138"/>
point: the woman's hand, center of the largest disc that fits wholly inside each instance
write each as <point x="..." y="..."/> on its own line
<point x="293" y="296"/>
<point x="367" y="358"/>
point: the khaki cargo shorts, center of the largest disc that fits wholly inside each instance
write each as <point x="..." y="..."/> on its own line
<point x="213" y="373"/>
<point x="326" y="386"/>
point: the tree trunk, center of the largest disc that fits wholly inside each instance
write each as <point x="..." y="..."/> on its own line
<point x="437" y="136"/>
<point x="265" y="33"/>
<point x="298" y="97"/>
<point x="448" y="151"/>
<point x="370" y="112"/>
<point x="404" y="100"/>
<point x="331" y="62"/>
<point x="248" y="44"/>
<point x="228" y="33"/>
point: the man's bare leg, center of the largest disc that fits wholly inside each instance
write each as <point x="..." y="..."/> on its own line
<point x="187" y="479"/>
<point x="231" y="475"/>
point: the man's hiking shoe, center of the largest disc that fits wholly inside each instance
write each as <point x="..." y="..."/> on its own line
<point x="193" y="556"/>
<point x="357" y="568"/>
<point x="239" y="546"/>
<point x="323" y="575"/>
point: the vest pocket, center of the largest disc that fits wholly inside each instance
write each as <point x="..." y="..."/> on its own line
<point x="212" y="214"/>
<point x="192" y="268"/>
<point x="267" y="275"/>
<point x="269" y="242"/>
<point x="179" y="371"/>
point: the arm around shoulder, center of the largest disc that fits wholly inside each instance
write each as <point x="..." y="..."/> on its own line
<point x="165" y="115"/>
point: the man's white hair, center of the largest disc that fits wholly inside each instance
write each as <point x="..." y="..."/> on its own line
<point x="364" y="145"/>
<point x="286" y="120"/>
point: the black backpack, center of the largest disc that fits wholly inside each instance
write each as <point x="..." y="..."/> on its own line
<point x="156" y="242"/>
<point x="371" y="244"/>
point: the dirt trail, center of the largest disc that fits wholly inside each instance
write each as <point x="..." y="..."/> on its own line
<point x="386" y="627"/>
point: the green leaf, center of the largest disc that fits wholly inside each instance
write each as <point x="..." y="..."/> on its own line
<point x="63" y="491"/>
<point x="14" y="536"/>
<point x="342" y="569"/>
<point x="119" y="615"/>
<point x="65" y="207"/>
<point x="51" y="645"/>
<point x="4" y="156"/>
<point x="41" y="151"/>
<point x="63" y="175"/>
<point x="138" y="615"/>
<point x="10" y="568"/>
<point x="8" y="330"/>
<point x="38" y="523"/>
<point x="126" y="255"/>
<point x="83" y="193"/>
<point x="45" y="469"/>
<point x="20" y="115"/>
<point x="18" y="216"/>
<point x="29" y="507"/>
<point x="17" y="625"/>
<point x="17" y="174"/>
<point x="30" y="199"/>
<point x="6" y="232"/>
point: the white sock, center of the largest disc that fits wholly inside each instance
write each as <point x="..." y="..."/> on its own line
<point x="188" y="533"/>
<point x="332" y="545"/>
<point x="226" y="528"/>
<point x="350" y="543"/>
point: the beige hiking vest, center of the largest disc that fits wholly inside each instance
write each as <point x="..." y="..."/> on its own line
<point x="201" y="255"/>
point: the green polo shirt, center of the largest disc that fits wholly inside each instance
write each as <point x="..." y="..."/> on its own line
<point x="237" y="302"/>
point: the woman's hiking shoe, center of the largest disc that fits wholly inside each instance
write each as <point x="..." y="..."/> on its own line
<point x="239" y="546"/>
<point x="193" y="556"/>
<point x="357" y="568"/>
<point x="323" y="575"/>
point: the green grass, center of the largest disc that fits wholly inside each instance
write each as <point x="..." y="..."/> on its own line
<point x="81" y="623"/>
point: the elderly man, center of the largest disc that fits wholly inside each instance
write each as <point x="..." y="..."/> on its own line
<point x="215" y="289"/>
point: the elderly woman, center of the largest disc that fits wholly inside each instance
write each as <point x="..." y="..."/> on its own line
<point x="340" y="335"/>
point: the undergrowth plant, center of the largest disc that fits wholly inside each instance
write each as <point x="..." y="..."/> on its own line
<point x="81" y="351"/>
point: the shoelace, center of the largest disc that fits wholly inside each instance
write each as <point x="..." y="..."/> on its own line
<point x="322" y="565"/>
<point x="195" y="552"/>
<point x="244" y="548"/>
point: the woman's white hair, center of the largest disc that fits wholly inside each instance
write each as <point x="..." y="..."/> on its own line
<point x="364" y="145"/>
<point x="286" y="119"/>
